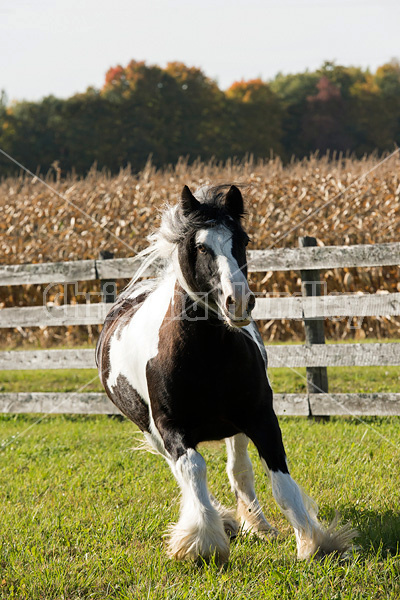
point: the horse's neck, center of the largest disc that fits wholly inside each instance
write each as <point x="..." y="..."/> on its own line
<point x="191" y="315"/>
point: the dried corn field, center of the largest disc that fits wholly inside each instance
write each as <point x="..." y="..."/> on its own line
<point x="78" y="218"/>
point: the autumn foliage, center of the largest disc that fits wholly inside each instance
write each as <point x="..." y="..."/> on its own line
<point x="145" y="110"/>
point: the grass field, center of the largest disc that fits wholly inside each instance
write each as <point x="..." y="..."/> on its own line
<point x="83" y="515"/>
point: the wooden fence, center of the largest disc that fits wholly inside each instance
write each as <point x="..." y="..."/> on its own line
<point x="311" y="307"/>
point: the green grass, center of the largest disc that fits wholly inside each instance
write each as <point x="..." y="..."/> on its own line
<point x="60" y="380"/>
<point x="341" y="379"/>
<point x="83" y="515"/>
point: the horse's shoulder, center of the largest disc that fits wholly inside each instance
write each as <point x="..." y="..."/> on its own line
<point x="119" y="316"/>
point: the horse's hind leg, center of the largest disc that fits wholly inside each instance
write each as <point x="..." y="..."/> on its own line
<point x="241" y="477"/>
<point x="199" y="530"/>
<point x="311" y="537"/>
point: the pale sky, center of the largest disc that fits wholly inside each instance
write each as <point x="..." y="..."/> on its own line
<point x="63" y="46"/>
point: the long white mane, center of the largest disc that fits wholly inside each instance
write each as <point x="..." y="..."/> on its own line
<point x="162" y="243"/>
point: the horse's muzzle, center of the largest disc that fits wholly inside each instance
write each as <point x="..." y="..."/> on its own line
<point x="238" y="309"/>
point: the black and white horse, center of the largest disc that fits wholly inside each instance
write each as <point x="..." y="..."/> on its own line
<point x="181" y="357"/>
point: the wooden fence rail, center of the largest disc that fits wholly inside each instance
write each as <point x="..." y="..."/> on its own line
<point x="284" y="404"/>
<point x="280" y="259"/>
<point x="290" y="307"/>
<point x="327" y="355"/>
<point x="306" y="308"/>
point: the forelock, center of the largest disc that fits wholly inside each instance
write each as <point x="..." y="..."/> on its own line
<point x="177" y="226"/>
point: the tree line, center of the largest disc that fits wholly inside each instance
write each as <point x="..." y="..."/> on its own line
<point x="165" y="113"/>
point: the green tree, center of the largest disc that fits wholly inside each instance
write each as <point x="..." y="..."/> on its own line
<point x="29" y="134"/>
<point x="387" y="78"/>
<point x="375" y="105"/>
<point x="145" y="102"/>
<point x="200" y="107"/>
<point x="164" y="112"/>
<point x="256" y="119"/>
<point x="292" y="92"/>
<point x="86" y="133"/>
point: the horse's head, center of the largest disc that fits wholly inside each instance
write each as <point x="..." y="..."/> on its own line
<point x="212" y="255"/>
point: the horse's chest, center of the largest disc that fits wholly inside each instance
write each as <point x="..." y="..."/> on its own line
<point x="207" y="394"/>
<point x="217" y="375"/>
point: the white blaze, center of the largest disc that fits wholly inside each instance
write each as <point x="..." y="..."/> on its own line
<point x="233" y="282"/>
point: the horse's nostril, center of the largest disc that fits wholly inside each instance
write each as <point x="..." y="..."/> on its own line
<point x="251" y="303"/>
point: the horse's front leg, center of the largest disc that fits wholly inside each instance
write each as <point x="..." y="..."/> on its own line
<point x="311" y="537"/>
<point x="241" y="477"/>
<point x="200" y="529"/>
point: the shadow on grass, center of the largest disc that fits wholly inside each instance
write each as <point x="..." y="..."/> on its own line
<point x="378" y="531"/>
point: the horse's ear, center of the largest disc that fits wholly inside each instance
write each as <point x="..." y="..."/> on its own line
<point x="188" y="202"/>
<point x="234" y="202"/>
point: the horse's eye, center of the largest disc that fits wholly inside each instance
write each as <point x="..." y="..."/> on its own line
<point x="202" y="249"/>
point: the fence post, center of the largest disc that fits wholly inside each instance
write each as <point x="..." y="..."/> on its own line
<point x="317" y="377"/>
<point x="108" y="287"/>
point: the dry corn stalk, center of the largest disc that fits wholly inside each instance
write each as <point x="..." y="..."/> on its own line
<point x="40" y="226"/>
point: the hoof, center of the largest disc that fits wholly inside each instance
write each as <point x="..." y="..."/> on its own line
<point x="231" y="531"/>
<point x="325" y="541"/>
<point x="267" y="534"/>
<point x="230" y="523"/>
<point x="254" y="522"/>
<point x="191" y="543"/>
